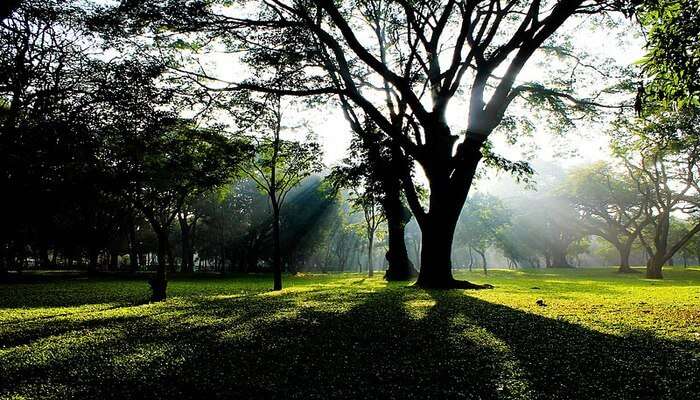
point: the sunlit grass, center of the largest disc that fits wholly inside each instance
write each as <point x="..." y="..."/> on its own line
<point x="348" y="336"/>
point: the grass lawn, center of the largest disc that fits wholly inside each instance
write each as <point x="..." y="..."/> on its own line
<point x="601" y="336"/>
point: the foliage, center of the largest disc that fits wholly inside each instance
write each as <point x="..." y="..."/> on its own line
<point x="672" y="61"/>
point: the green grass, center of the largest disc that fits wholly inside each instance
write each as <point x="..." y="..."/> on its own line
<point x="601" y="336"/>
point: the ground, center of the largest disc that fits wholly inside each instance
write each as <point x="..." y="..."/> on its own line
<point x="601" y="335"/>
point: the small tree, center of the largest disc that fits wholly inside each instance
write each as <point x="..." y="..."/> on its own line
<point x="483" y="219"/>
<point x="278" y="167"/>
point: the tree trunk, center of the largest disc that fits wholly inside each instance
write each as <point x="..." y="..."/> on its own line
<point x="370" y="250"/>
<point x="92" y="260"/>
<point x="133" y="249"/>
<point x="436" y="254"/>
<point x="471" y="259"/>
<point x="397" y="216"/>
<point x="483" y="260"/>
<point x="400" y="266"/>
<point x="559" y="258"/>
<point x="187" y="264"/>
<point x="159" y="283"/>
<point x="447" y="197"/>
<point x="625" y="251"/>
<point x="277" y="256"/>
<point x="654" y="268"/>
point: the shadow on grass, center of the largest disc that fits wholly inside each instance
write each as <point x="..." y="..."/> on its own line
<point x="345" y="343"/>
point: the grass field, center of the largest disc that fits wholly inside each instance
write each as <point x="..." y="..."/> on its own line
<point x="600" y="336"/>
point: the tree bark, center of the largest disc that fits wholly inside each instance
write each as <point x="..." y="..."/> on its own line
<point x="397" y="216"/>
<point x="625" y="251"/>
<point x="654" y="268"/>
<point x="483" y="260"/>
<point x="277" y="256"/>
<point x="187" y="264"/>
<point x="133" y="249"/>
<point x="370" y="250"/>
<point x="448" y="191"/>
<point x="159" y="283"/>
<point x="558" y="258"/>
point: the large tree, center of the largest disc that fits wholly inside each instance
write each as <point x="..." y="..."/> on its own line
<point x="663" y="160"/>
<point x="401" y="63"/>
<point x="609" y="204"/>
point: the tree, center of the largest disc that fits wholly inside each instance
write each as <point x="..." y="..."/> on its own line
<point x="672" y="62"/>
<point x="665" y="174"/>
<point x="483" y="220"/>
<point x="167" y="163"/>
<point x="278" y="167"/>
<point x="360" y="175"/>
<point x="419" y="56"/>
<point x="610" y="206"/>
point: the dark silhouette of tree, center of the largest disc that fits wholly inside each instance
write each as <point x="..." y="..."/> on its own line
<point x="278" y="166"/>
<point x="167" y="163"/>
<point x="418" y="55"/>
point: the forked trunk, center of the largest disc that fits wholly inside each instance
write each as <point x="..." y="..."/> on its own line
<point x="449" y="188"/>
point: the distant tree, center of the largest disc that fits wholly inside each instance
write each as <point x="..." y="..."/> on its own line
<point x="365" y="185"/>
<point x="666" y="174"/>
<point x="484" y="218"/>
<point x="610" y="206"/>
<point x="278" y="166"/>
<point x="167" y="163"/>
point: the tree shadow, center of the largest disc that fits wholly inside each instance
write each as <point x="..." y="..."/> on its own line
<point x="345" y="343"/>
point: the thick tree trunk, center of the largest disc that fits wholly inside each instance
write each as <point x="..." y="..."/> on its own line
<point x="654" y="268"/>
<point x="558" y="259"/>
<point x="397" y="216"/>
<point x="400" y="266"/>
<point x="625" y="251"/>
<point x="159" y="282"/>
<point x="449" y="188"/>
<point x="436" y="255"/>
